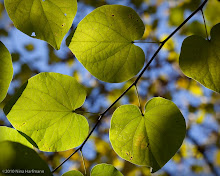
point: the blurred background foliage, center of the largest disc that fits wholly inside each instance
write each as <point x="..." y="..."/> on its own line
<point x="200" y="152"/>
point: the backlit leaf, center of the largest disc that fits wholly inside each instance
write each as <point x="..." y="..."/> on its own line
<point x="44" y="109"/>
<point x="22" y="159"/>
<point x="98" y="170"/>
<point x="6" y="71"/>
<point x="150" y="139"/>
<point x="10" y="134"/>
<point x="73" y="173"/>
<point x="200" y="59"/>
<point x="48" y="20"/>
<point x="105" y="170"/>
<point x="103" y="43"/>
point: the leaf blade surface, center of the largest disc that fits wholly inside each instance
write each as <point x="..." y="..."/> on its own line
<point x="48" y="20"/>
<point x="14" y="155"/>
<point x="45" y="111"/>
<point x="200" y="59"/>
<point x="149" y="140"/>
<point x="103" y="43"/>
<point x="6" y="71"/>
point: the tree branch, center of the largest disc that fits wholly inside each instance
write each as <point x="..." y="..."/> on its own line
<point x="134" y="83"/>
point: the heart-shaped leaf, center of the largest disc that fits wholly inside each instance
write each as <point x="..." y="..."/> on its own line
<point x="103" y="43"/>
<point x="10" y="134"/>
<point x="15" y="156"/>
<point x="6" y="71"/>
<point x="98" y="170"/>
<point x="44" y="109"/>
<point x="45" y="19"/>
<point x="200" y="59"/>
<point x="73" y="173"/>
<point x="150" y="139"/>
<point x="105" y="170"/>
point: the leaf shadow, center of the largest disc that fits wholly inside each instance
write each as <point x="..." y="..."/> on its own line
<point x="29" y="139"/>
<point x="14" y="99"/>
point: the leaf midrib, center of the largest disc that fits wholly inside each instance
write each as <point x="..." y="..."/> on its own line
<point x="43" y="12"/>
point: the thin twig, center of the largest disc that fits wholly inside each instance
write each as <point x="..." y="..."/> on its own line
<point x="203" y="16"/>
<point x="139" y="101"/>
<point x="84" y="166"/>
<point x="134" y="83"/>
<point x="97" y="123"/>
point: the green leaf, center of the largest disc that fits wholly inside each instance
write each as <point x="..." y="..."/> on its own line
<point x="6" y="71"/>
<point x="19" y="157"/>
<point x="200" y="59"/>
<point x="103" y="43"/>
<point x="105" y="170"/>
<point x="50" y="20"/>
<point x="150" y="139"/>
<point x="44" y="109"/>
<point x="10" y="134"/>
<point x="73" y="173"/>
<point x="98" y="170"/>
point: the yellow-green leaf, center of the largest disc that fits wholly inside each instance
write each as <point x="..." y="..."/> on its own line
<point x="103" y="43"/>
<point x="200" y="59"/>
<point x="105" y="170"/>
<point x="73" y="173"/>
<point x="6" y="71"/>
<point x="150" y="139"/>
<point x="44" y="109"/>
<point x="48" y="20"/>
<point x="10" y="134"/>
<point x="15" y="157"/>
<point x="98" y="170"/>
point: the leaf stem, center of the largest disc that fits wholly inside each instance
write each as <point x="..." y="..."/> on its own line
<point x="203" y="16"/>
<point x="135" y="82"/>
<point x="83" y="161"/>
<point x="139" y="101"/>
